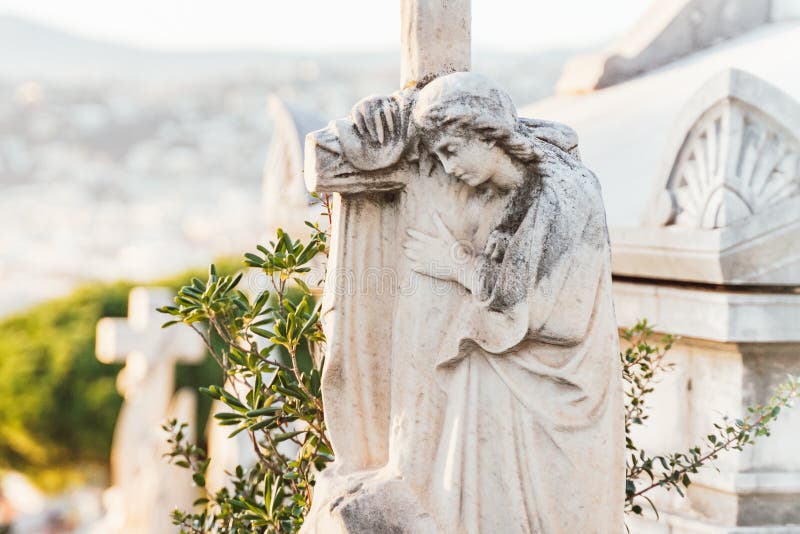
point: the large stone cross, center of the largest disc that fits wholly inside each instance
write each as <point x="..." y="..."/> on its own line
<point x="145" y="487"/>
<point x="435" y="40"/>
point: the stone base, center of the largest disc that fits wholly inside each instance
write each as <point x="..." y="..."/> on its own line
<point x="370" y="504"/>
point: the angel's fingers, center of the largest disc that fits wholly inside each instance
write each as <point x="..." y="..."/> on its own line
<point x="413" y="242"/>
<point x="496" y="253"/>
<point x="412" y="255"/>
<point x="417" y="253"/>
<point x="389" y="109"/>
<point x="419" y="236"/>
<point x="441" y="226"/>
<point x="490" y="247"/>
<point x="358" y="123"/>
<point x="419" y="267"/>
<point x="369" y="120"/>
<point x="379" y="125"/>
<point x="363" y="107"/>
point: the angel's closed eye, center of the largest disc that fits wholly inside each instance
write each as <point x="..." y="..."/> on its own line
<point x="447" y="150"/>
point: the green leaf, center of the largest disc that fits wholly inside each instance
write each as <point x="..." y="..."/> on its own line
<point x="288" y="435"/>
<point x="302" y="285"/>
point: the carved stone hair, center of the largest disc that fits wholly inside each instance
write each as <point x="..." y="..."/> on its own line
<point x="471" y="103"/>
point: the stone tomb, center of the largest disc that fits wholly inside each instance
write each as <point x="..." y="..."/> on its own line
<point x="699" y="159"/>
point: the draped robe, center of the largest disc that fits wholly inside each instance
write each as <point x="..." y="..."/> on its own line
<point x="498" y="414"/>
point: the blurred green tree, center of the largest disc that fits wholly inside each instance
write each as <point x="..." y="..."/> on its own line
<point x="58" y="404"/>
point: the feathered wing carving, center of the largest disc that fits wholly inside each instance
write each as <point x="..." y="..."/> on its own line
<point x="736" y="161"/>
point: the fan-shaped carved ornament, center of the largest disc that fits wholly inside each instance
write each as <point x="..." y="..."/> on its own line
<point x="736" y="161"/>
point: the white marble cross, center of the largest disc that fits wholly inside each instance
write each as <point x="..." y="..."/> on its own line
<point x="145" y="487"/>
<point x="141" y="343"/>
<point x="435" y="38"/>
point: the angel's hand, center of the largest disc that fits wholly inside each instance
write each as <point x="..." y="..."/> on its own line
<point x="377" y="119"/>
<point x="496" y="245"/>
<point x="440" y="256"/>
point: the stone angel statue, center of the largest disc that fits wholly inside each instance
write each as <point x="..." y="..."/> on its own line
<point x="482" y="391"/>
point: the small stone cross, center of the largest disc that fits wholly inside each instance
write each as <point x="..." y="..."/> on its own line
<point x="145" y="487"/>
<point x="142" y="344"/>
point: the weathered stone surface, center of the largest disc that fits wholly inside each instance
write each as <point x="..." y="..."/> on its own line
<point x="432" y="39"/>
<point x="460" y="389"/>
<point x="749" y="218"/>
<point x="472" y="347"/>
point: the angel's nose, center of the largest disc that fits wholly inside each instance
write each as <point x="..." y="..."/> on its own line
<point x="451" y="168"/>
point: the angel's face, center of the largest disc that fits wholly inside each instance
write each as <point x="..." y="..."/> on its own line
<point x="470" y="159"/>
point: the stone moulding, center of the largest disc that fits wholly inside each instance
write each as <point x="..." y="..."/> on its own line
<point x="760" y="250"/>
<point x="722" y="316"/>
<point x="759" y="482"/>
<point x="727" y="207"/>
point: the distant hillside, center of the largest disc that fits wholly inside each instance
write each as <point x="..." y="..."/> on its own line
<point x="30" y="50"/>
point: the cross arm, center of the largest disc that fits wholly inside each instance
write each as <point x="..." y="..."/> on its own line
<point x="340" y="159"/>
<point x="114" y="340"/>
<point x="327" y="169"/>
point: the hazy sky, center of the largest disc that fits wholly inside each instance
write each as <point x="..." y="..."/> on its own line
<point x="324" y="25"/>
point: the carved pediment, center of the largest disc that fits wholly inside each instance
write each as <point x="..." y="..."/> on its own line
<point x="727" y="207"/>
<point x="739" y="158"/>
<point x="737" y="161"/>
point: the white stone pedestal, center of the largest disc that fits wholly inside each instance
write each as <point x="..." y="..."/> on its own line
<point x="736" y="346"/>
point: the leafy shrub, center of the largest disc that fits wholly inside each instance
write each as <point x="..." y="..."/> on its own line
<point x="275" y="398"/>
<point x="58" y="404"/>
